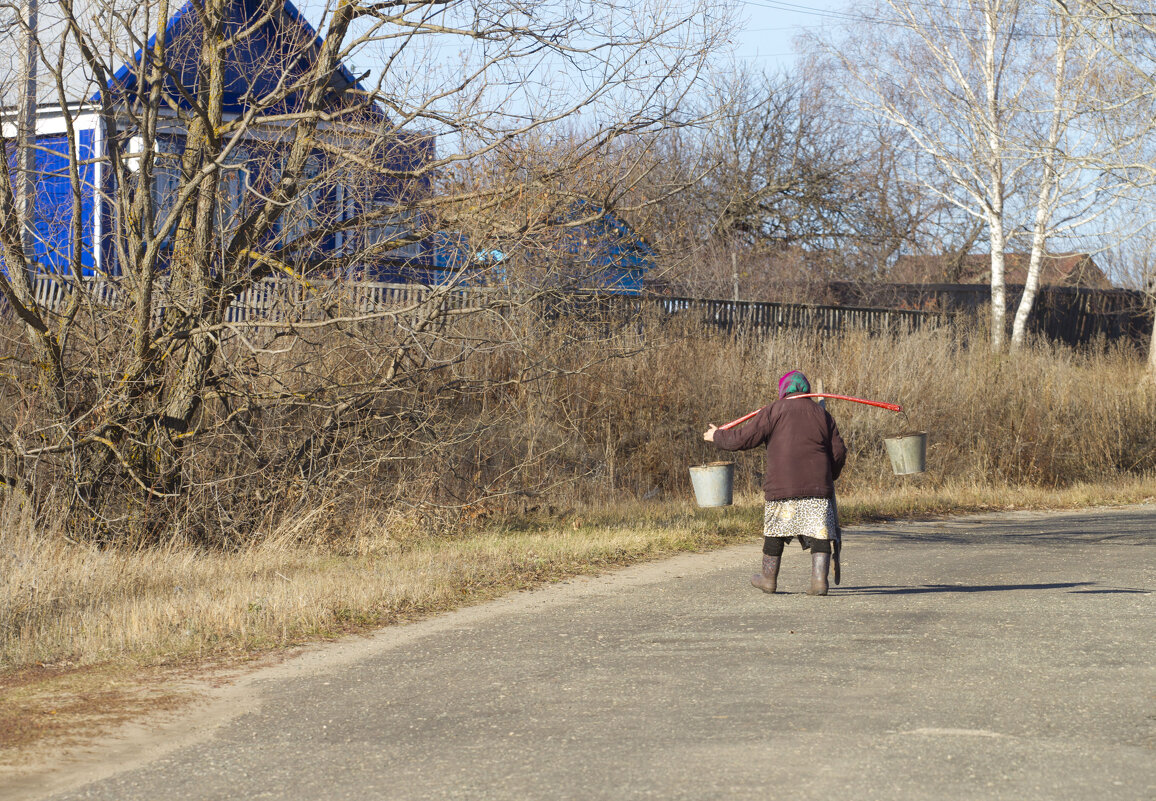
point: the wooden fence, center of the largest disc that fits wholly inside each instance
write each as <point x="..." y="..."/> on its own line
<point x="1073" y="317"/>
<point x="751" y="316"/>
<point x="269" y="300"/>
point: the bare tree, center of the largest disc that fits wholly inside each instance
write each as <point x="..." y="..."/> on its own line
<point x="780" y="169"/>
<point x="992" y="91"/>
<point x="1068" y="195"/>
<point x="787" y="191"/>
<point x="1127" y="34"/>
<point x="206" y="154"/>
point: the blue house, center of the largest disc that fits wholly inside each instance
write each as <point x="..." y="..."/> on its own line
<point x="352" y="218"/>
<point x="610" y="254"/>
<point x="252" y="165"/>
<point x="585" y="247"/>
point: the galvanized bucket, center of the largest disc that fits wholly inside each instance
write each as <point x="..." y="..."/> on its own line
<point x="713" y="483"/>
<point x="908" y="453"/>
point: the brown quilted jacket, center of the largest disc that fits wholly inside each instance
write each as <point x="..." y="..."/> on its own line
<point x="805" y="453"/>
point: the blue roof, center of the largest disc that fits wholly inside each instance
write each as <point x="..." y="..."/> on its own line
<point x="244" y="76"/>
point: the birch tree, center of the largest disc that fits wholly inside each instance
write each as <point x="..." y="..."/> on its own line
<point x="1127" y="118"/>
<point x="1073" y="193"/>
<point x="990" y="90"/>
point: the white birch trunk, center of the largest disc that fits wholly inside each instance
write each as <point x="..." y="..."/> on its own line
<point x="1152" y="355"/>
<point x="998" y="289"/>
<point x="1031" y="285"/>
<point x="1048" y="191"/>
<point x="995" y="210"/>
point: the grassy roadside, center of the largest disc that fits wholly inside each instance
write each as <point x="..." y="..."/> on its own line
<point x="105" y="636"/>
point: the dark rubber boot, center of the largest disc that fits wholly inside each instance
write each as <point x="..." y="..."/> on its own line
<point x="820" y="563"/>
<point x="769" y="578"/>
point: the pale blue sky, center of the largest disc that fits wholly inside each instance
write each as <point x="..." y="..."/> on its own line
<point x="765" y="38"/>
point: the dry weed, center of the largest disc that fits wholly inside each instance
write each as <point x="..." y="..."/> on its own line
<point x="549" y="483"/>
<point x="63" y="601"/>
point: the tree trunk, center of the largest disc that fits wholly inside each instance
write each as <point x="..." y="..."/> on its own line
<point x="1049" y="189"/>
<point x="998" y="289"/>
<point x="995" y="156"/>
<point x="1032" y="283"/>
<point x="1152" y="353"/>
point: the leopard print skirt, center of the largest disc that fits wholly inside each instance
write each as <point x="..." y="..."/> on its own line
<point x="814" y="518"/>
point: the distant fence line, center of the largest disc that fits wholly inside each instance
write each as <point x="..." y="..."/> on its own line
<point x="278" y="299"/>
<point x="757" y="316"/>
<point x="1077" y="319"/>
<point x="1069" y="314"/>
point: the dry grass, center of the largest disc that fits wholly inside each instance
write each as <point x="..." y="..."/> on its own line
<point x="74" y="603"/>
<point x="71" y="604"/>
<point x="570" y="412"/>
<point x="1045" y="417"/>
<point x="93" y="638"/>
<point x="913" y="499"/>
<point x="1046" y="428"/>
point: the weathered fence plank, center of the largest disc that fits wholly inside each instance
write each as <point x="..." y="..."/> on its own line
<point x="1074" y="318"/>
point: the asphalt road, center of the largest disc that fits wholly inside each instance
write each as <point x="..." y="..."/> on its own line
<point x="995" y="657"/>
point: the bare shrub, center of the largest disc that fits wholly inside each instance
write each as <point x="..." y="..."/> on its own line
<point x="583" y="417"/>
<point x="1049" y="417"/>
<point x="562" y="403"/>
<point x="236" y="155"/>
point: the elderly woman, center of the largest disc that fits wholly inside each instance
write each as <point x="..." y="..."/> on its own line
<point x="805" y="454"/>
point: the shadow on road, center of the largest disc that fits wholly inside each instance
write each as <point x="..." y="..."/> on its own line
<point x="873" y="590"/>
<point x="961" y="536"/>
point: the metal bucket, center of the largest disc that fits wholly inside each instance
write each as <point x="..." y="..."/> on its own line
<point x="908" y="453"/>
<point x="713" y="483"/>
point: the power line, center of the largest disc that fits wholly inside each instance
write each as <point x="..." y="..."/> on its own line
<point x="794" y="8"/>
<point x="779" y="5"/>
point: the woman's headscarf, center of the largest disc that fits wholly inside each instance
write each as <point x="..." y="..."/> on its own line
<point x="793" y="381"/>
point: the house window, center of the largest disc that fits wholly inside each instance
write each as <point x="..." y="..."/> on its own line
<point x="304" y="213"/>
<point x="378" y="231"/>
<point x="166" y="178"/>
<point x="234" y="182"/>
